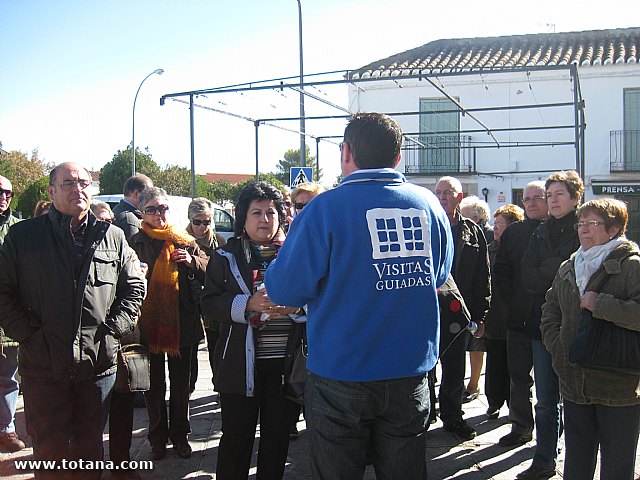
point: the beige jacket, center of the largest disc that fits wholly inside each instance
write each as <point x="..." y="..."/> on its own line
<point x="617" y="302"/>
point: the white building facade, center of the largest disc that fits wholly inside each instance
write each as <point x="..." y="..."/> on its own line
<point x="500" y="112"/>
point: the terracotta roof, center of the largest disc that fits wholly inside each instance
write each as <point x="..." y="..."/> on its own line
<point x="595" y="47"/>
<point x="232" y="178"/>
<point x="95" y="176"/>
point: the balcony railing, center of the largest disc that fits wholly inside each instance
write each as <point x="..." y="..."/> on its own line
<point x="439" y="154"/>
<point x="624" y="148"/>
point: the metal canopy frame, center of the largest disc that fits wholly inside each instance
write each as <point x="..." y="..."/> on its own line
<point x="281" y="84"/>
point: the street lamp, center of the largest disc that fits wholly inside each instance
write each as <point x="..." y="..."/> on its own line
<point x="303" y="148"/>
<point x="158" y="71"/>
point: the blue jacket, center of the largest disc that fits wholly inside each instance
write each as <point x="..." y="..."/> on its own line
<point x="366" y="258"/>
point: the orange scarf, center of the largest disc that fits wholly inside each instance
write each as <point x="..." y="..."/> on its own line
<point x="160" y="312"/>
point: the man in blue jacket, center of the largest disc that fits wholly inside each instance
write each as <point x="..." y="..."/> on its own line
<point x="366" y="258"/>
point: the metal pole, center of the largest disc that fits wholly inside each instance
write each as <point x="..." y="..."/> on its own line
<point x="576" y="115"/>
<point x="318" y="160"/>
<point x="158" y="71"/>
<point x="193" y="153"/>
<point x="257" y="125"/>
<point x="303" y="148"/>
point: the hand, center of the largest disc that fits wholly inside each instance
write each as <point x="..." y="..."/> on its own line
<point x="259" y="302"/>
<point x="588" y="300"/>
<point x="181" y="255"/>
<point x="480" y="332"/>
<point x="281" y="310"/>
<point x="144" y="267"/>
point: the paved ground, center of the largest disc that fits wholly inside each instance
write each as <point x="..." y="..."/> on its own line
<point x="479" y="459"/>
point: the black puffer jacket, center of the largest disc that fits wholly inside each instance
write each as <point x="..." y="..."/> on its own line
<point x="552" y="243"/>
<point x="128" y="218"/>
<point x="67" y="315"/>
<point x="506" y="276"/>
<point x="470" y="268"/>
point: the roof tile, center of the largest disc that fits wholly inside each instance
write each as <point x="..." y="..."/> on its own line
<point x="587" y="48"/>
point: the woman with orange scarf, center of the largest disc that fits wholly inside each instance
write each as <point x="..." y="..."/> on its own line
<point x="169" y="319"/>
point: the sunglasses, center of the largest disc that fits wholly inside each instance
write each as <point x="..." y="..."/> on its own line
<point x="299" y="206"/>
<point x="151" y="210"/>
<point x="197" y="222"/>
<point x="287" y="204"/>
<point x="7" y="193"/>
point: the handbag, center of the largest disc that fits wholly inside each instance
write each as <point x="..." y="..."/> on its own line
<point x="295" y="364"/>
<point x="132" y="374"/>
<point x="603" y="345"/>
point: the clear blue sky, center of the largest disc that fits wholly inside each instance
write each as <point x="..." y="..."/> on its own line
<point x="71" y="68"/>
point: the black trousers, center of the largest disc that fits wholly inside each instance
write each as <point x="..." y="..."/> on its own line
<point x="176" y="427"/>
<point x="453" y="361"/>
<point x="120" y="426"/>
<point x="520" y="359"/>
<point x="212" y="340"/>
<point x="239" y="419"/>
<point x="496" y="375"/>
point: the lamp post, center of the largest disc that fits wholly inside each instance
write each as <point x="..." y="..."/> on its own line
<point x="303" y="148"/>
<point x="158" y="71"/>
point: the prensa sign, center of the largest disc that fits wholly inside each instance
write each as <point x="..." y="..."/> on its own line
<point x="616" y="189"/>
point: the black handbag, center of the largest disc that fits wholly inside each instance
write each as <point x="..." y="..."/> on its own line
<point x="603" y="345"/>
<point x="132" y="374"/>
<point x="295" y="364"/>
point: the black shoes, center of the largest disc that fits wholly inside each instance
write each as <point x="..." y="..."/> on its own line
<point x="536" y="473"/>
<point x="158" y="452"/>
<point x="468" y="396"/>
<point x="493" y="413"/>
<point x="513" y="439"/>
<point x="183" y="449"/>
<point x="461" y="429"/>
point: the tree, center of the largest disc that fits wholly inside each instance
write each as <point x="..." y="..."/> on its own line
<point x="21" y="170"/>
<point x="220" y="192"/>
<point x="292" y="159"/>
<point x="115" y="173"/>
<point x="26" y="203"/>
<point x="175" y="180"/>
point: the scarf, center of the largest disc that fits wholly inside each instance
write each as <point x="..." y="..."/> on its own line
<point x="160" y="312"/>
<point x="207" y="243"/>
<point x="587" y="262"/>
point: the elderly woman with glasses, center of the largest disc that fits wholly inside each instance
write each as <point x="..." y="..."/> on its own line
<point x="202" y="228"/>
<point x="169" y="319"/>
<point x="601" y="408"/>
<point x="304" y="193"/>
<point x="254" y="333"/>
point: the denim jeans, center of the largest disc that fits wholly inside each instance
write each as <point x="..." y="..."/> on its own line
<point x="8" y="389"/>
<point x="520" y="359"/>
<point x="547" y="407"/>
<point x="613" y="429"/>
<point x="65" y="419"/>
<point x="386" y="418"/>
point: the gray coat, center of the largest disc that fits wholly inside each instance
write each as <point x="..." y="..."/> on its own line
<point x="617" y="302"/>
<point x="68" y="312"/>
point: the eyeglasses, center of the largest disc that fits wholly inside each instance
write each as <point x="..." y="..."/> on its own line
<point x="69" y="184"/>
<point x="589" y="224"/>
<point x="299" y="206"/>
<point x="500" y="224"/>
<point x="340" y="145"/>
<point x="448" y="193"/>
<point x="197" y="222"/>
<point x="6" y="193"/>
<point x="535" y="198"/>
<point x="152" y="209"/>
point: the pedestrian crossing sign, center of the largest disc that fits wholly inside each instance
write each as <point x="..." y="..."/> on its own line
<point x="298" y="175"/>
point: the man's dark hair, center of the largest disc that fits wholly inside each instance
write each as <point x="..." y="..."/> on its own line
<point x="374" y="140"/>
<point x="252" y="192"/>
<point x="137" y="182"/>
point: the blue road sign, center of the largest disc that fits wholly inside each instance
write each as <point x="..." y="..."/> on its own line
<point x="298" y="175"/>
